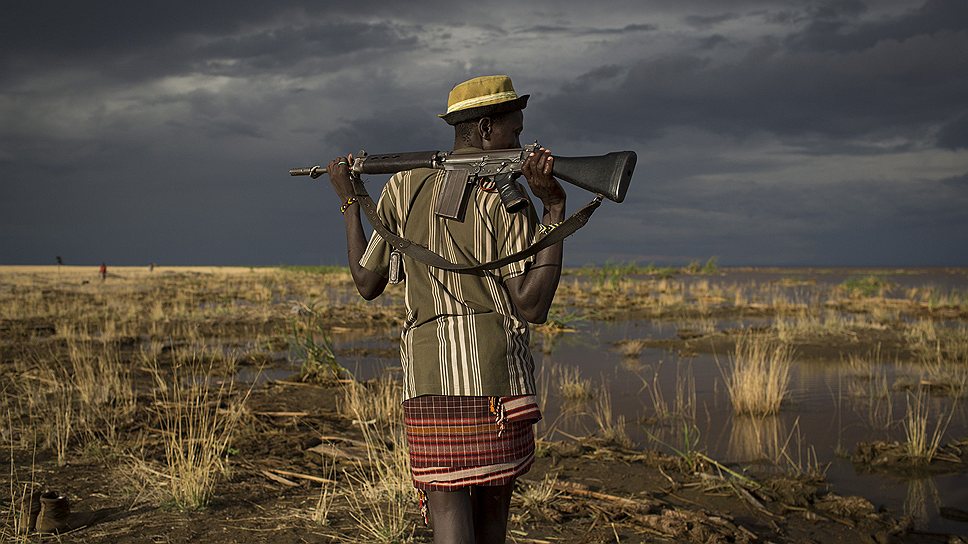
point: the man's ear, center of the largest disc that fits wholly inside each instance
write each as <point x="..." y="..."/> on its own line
<point x="484" y="126"/>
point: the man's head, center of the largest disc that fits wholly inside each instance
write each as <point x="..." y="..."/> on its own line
<point x="501" y="131"/>
<point x="486" y="113"/>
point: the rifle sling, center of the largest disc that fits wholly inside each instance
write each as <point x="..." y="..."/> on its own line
<point x="428" y="257"/>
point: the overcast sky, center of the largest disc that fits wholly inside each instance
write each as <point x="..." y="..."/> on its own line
<point x="768" y="132"/>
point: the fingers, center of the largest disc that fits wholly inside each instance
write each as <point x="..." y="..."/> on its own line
<point x="339" y="165"/>
<point x="539" y="161"/>
<point x="339" y="169"/>
<point x="538" y="168"/>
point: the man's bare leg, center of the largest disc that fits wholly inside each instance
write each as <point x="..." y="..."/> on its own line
<point x="451" y="516"/>
<point x="491" y="507"/>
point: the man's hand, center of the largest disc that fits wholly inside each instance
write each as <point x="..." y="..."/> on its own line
<point x="339" y="176"/>
<point x="537" y="170"/>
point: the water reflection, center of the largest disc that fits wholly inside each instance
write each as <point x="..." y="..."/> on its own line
<point x="922" y="501"/>
<point x="757" y="439"/>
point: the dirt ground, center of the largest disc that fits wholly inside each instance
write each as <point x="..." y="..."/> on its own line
<point x="295" y="444"/>
<point x="602" y="493"/>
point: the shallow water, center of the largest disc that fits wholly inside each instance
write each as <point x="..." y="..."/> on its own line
<point x="830" y="410"/>
<point x="832" y="407"/>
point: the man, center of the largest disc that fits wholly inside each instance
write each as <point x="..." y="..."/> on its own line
<point x="469" y="404"/>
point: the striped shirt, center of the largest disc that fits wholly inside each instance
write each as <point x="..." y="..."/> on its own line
<point x="462" y="334"/>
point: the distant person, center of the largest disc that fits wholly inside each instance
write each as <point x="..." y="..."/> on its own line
<point x="151" y="267"/>
<point x="103" y="271"/>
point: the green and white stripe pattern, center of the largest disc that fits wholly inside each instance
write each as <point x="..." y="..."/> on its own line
<point x="462" y="335"/>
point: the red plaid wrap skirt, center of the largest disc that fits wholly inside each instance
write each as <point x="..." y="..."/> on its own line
<point x="457" y="442"/>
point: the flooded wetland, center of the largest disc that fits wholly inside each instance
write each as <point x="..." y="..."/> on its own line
<point x="680" y="405"/>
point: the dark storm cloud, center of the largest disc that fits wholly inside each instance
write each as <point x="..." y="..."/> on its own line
<point x="254" y="52"/>
<point x="705" y="21"/>
<point x="586" y="31"/>
<point x="709" y="42"/>
<point x="761" y="223"/>
<point x="161" y="131"/>
<point x="76" y="28"/>
<point x="954" y="134"/>
<point x="834" y="26"/>
<point x="959" y="183"/>
<point x="278" y="49"/>
<point x="891" y="88"/>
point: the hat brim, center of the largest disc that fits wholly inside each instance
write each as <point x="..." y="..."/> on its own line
<point x="469" y="114"/>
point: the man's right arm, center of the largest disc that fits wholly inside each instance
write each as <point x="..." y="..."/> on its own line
<point x="368" y="283"/>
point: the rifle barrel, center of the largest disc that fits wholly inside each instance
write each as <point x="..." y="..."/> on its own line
<point x="302" y="171"/>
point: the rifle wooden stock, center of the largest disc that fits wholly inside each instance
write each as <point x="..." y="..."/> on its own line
<point x="607" y="175"/>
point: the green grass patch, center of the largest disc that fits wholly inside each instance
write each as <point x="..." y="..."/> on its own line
<point x="696" y="267"/>
<point x="866" y="286"/>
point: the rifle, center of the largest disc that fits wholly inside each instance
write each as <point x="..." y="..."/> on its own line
<point x="607" y="176"/>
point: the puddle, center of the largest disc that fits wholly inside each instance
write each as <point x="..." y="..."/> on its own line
<point x="832" y="407"/>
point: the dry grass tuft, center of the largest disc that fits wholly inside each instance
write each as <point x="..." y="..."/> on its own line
<point x="631" y="348"/>
<point x="922" y="441"/>
<point x="105" y="390"/>
<point x="376" y="402"/>
<point x="198" y="416"/>
<point x="571" y="385"/>
<point x="380" y="494"/>
<point x="759" y="377"/>
<point x="610" y="428"/>
<point x="538" y="498"/>
<point x="12" y="528"/>
<point x="327" y="495"/>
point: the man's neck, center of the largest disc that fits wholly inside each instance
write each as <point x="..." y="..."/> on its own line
<point x="473" y="143"/>
<point x="466" y="149"/>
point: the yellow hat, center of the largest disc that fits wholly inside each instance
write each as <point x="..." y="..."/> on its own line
<point x="480" y="97"/>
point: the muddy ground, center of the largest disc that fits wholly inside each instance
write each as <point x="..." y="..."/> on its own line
<point x="602" y="493"/>
<point x="293" y="432"/>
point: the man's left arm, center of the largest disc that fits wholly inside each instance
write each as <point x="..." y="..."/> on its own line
<point x="533" y="291"/>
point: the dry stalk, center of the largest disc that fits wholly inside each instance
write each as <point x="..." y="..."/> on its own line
<point x="611" y="429"/>
<point x="381" y="494"/>
<point x="571" y="385"/>
<point x="921" y="440"/>
<point x="759" y="378"/>
<point x="198" y="419"/>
